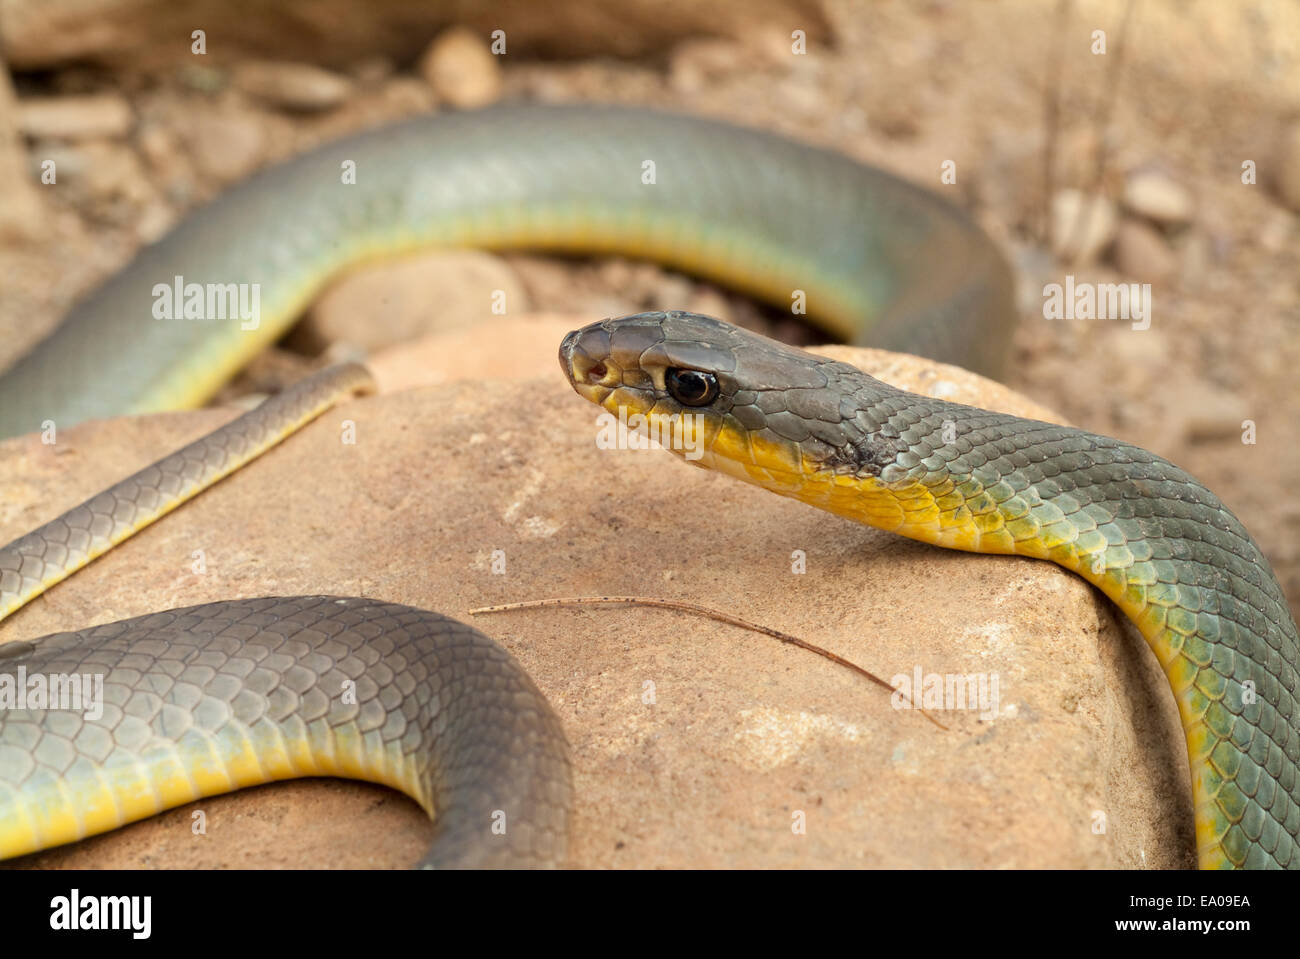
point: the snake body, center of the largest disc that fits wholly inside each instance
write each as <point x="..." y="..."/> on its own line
<point x="211" y="698"/>
<point x="757" y="211"/>
<point x="1153" y="539"/>
<point x="244" y="691"/>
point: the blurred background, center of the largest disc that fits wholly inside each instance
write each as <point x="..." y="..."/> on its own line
<point x="1182" y="139"/>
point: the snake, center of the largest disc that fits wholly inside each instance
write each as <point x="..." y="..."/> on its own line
<point x="1160" y="545"/>
<point x="211" y="698"/>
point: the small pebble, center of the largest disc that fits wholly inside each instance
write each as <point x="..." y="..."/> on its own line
<point x="1142" y="252"/>
<point x="462" y="69"/>
<point x="104" y="116"/>
<point x="226" y="146"/>
<point x="1157" y="197"/>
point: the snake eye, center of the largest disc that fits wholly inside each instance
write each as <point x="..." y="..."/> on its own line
<point x="691" y="387"/>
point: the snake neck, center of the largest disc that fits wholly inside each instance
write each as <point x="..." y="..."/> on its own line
<point x="1160" y="545"/>
<point x="1163" y="548"/>
<point x="1157" y="542"/>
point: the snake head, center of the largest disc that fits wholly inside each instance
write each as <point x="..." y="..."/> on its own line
<point x="728" y="399"/>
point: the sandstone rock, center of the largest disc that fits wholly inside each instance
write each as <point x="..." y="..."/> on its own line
<point x="1158" y="197"/>
<point x="743" y="733"/>
<point x="405" y="299"/>
<point x="1082" y="227"/>
<point x="462" y="70"/>
<point x="1143" y="253"/>
<point x="94" y="117"/>
<point x="226" y="145"/>
<point x="525" y="347"/>
<point x="292" y="86"/>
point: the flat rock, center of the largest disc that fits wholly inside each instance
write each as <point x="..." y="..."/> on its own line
<point x="90" y="117"/>
<point x="292" y="86"/>
<point x="1081" y="763"/>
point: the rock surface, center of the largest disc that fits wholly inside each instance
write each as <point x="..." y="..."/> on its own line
<point x="744" y="734"/>
<point x="388" y="303"/>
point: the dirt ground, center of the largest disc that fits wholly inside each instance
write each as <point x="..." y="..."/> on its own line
<point x="1199" y="89"/>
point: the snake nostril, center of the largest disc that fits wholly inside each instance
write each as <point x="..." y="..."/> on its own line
<point x="596" y="373"/>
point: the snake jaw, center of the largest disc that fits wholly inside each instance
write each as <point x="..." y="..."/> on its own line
<point x="585" y="363"/>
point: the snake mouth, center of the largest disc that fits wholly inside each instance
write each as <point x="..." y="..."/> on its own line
<point x="584" y="359"/>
